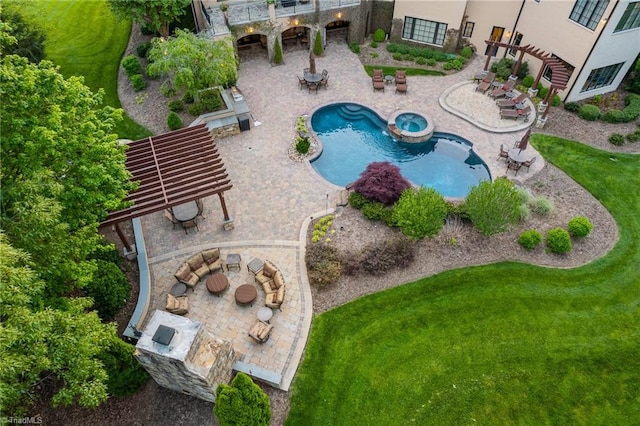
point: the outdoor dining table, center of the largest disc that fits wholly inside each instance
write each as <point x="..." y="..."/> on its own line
<point x="312" y="78"/>
<point x="185" y="212"/>
<point x="518" y="155"/>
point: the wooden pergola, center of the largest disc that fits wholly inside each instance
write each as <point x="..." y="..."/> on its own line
<point x="559" y="72"/>
<point x="171" y="169"/>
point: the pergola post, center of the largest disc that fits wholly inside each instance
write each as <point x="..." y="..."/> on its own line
<point x="486" y="64"/>
<point x="227" y="224"/>
<point x="516" y="67"/>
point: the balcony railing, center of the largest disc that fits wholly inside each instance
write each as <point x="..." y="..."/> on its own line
<point x="336" y="4"/>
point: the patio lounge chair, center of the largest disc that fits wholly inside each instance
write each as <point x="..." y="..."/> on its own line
<point x="261" y="332"/>
<point x="378" y="85"/>
<point x="498" y="93"/>
<point x="401" y="77"/>
<point x="516" y="113"/>
<point x="485" y="83"/>
<point x="511" y="103"/>
<point x="401" y="88"/>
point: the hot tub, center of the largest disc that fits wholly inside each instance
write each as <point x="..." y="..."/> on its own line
<point x="410" y="126"/>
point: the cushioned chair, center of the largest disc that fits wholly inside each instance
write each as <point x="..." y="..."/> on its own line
<point x="401" y="76"/>
<point x="261" y="331"/>
<point x="177" y="305"/>
<point x="198" y="265"/>
<point x="184" y="274"/>
<point x="401" y="88"/>
<point x="272" y="282"/>
<point x="212" y="259"/>
<point x="266" y="274"/>
<point x="377" y="75"/>
<point x="378" y="85"/>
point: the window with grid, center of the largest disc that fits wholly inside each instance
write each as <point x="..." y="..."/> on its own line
<point x="517" y="39"/>
<point x="588" y="12"/>
<point x="630" y="18"/>
<point x="424" y="31"/>
<point x="601" y="77"/>
<point x="468" y="29"/>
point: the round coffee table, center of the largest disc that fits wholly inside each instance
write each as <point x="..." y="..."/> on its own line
<point x="265" y="314"/>
<point x="217" y="283"/>
<point x="246" y="294"/>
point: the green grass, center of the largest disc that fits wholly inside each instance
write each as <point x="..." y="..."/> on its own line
<point x="85" y="39"/>
<point x="505" y="343"/>
<point x="410" y="71"/>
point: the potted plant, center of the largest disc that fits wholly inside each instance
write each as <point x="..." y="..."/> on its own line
<point x="224" y="7"/>
<point x="271" y="2"/>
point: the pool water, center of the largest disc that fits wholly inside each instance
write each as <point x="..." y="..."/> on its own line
<point x="353" y="136"/>
<point x="411" y="122"/>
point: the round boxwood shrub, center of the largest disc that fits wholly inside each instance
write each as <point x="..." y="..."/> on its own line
<point x="580" y="226"/>
<point x="572" y="106"/>
<point x="302" y="144"/>
<point x="616" y="139"/>
<point x="633" y="136"/>
<point x="530" y="239"/>
<point x="528" y="81"/>
<point x="542" y="92"/>
<point x="174" y="122"/>
<point x="143" y="48"/>
<point x="176" y="105"/>
<point x="126" y="375"/>
<point x="109" y="289"/>
<point x="558" y="241"/>
<point x="374" y="44"/>
<point x="466" y="52"/>
<point x="355" y="48"/>
<point x="431" y="62"/>
<point x="138" y="82"/>
<point x="556" y="101"/>
<point x="131" y="65"/>
<point x="589" y="112"/>
<point x="379" y="35"/>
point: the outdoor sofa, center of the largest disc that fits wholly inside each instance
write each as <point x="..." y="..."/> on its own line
<point x="199" y="265"/>
<point x="272" y="282"/>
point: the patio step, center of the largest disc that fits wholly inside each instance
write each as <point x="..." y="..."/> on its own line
<point x="259" y="373"/>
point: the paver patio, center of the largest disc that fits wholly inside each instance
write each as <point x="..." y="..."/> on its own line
<point x="273" y="197"/>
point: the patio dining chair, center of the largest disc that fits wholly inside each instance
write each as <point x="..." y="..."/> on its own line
<point x="513" y="165"/>
<point x="200" y="205"/>
<point x="301" y="82"/>
<point x="190" y="224"/>
<point x="503" y="153"/>
<point x="313" y="86"/>
<point x="325" y="73"/>
<point x="528" y="163"/>
<point x="324" y="82"/>
<point x="169" y="215"/>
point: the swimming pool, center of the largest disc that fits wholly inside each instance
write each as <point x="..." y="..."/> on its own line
<point x="353" y="136"/>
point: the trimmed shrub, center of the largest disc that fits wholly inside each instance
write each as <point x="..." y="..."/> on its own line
<point x="355" y="48"/>
<point x="421" y="61"/>
<point x="174" y="122"/>
<point x="431" y="62"/>
<point x="131" y="65"/>
<point x="616" y="139"/>
<point x="466" y="52"/>
<point x="108" y="252"/>
<point x="357" y="200"/>
<point x="589" y="112"/>
<point x="109" y="289"/>
<point x="196" y="109"/>
<point x="503" y="68"/>
<point x="454" y="64"/>
<point x="188" y="98"/>
<point x="530" y="239"/>
<point x="542" y="92"/>
<point x="302" y="144"/>
<point x="126" y="375"/>
<point x="397" y="56"/>
<point x="142" y="49"/>
<point x="572" y="106"/>
<point x="138" y="82"/>
<point x="318" y="49"/>
<point x="379" y="35"/>
<point x="242" y="403"/>
<point x="541" y="205"/>
<point x="382" y="182"/>
<point x="323" y="264"/>
<point x="556" y="101"/>
<point x="277" y="53"/>
<point x="633" y="136"/>
<point x="558" y="241"/>
<point x="629" y="113"/>
<point x="374" y="44"/>
<point x="580" y="226"/>
<point x="528" y="81"/>
<point x="420" y="213"/>
<point x="176" y="105"/>
<point x="493" y="206"/>
<point x="373" y="210"/>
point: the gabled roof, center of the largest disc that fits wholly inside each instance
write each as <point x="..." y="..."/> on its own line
<point x="172" y="168"/>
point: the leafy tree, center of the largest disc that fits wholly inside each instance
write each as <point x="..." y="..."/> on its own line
<point x="493" y="206"/>
<point x="29" y="38"/>
<point x="420" y="213"/>
<point x="382" y="182"/>
<point x="62" y="169"/>
<point x="193" y="63"/>
<point x="38" y="343"/>
<point x="155" y="14"/>
<point x="242" y="403"/>
<point x="109" y="289"/>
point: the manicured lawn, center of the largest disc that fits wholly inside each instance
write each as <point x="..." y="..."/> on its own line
<point x="85" y="39"/>
<point x="506" y="343"/>
<point x="410" y="71"/>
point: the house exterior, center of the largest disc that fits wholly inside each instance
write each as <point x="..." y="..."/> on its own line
<point x="597" y="40"/>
